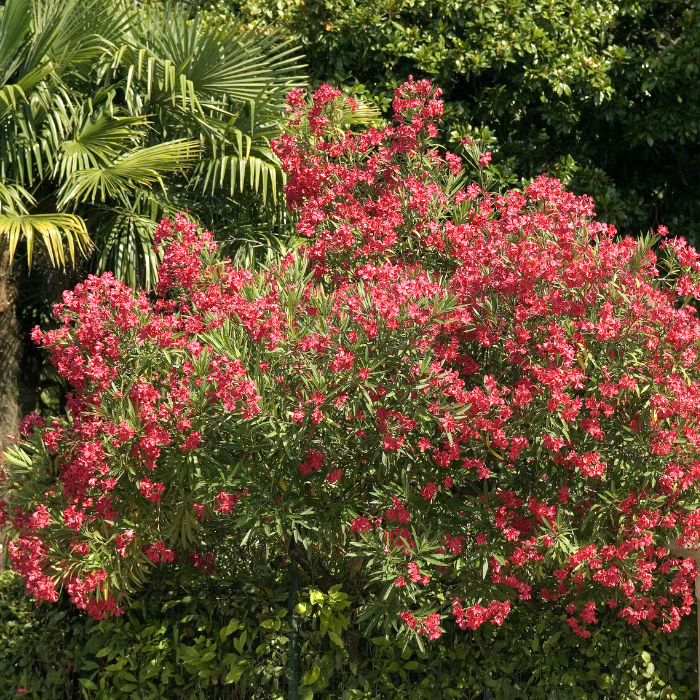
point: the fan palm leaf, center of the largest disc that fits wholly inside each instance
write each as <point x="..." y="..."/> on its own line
<point x="74" y="32"/>
<point x="227" y="171"/>
<point x="99" y="139"/>
<point x="174" y="56"/>
<point x="15" y="22"/>
<point x="136" y="169"/>
<point x="54" y="231"/>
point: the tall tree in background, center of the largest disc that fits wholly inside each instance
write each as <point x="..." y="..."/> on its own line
<point x="604" y="95"/>
<point x="113" y="115"/>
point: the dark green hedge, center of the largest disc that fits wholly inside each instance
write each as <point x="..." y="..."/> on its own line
<point x="211" y="643"/>
<point x="602" y="94"/>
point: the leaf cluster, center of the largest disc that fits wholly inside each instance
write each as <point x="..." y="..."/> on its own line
<point x="181" y="642"/>
<point x="113" y="115"/>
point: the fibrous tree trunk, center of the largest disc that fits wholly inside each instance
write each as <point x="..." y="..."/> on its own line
<point x="10" y="350"/>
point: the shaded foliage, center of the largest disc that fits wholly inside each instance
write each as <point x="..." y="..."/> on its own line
<point x="601" y="94"/>
<point x="182" y="640"/>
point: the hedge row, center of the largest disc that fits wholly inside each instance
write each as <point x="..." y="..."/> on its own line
<point x="206" y="643"/>
<point x="598" y="93"/>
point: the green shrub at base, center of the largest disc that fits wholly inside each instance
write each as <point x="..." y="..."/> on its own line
<point x="183" y="643"/>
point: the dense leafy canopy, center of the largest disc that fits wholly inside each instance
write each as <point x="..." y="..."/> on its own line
<point x="602" y="94"/>
<point x="462" y="398"/>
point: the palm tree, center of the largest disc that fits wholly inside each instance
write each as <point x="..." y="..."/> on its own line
<point x="113" y="115"/>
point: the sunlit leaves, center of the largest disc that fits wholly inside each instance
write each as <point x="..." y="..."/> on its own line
<point x="138" y="168"/>
<point x="54" y="232"/>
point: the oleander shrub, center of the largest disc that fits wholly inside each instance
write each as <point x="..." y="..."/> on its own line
<point x="452" y="398"/>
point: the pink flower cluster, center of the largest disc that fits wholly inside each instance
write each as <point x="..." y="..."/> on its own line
<point x="113" y="419"/>
<point x="533" y="378"/>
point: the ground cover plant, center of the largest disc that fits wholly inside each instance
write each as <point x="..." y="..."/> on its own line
<point x="451" y="398"/>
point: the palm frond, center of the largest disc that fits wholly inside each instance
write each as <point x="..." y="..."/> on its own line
<point x="127" y="247"/>
<point x="53" y="231"/>
<point x="138" y="168"/>
<point x="228" y="171"/>
<point x="15" y="97"/>
<point x="71" y="32"/>
<point x="363" y="115"/>
<point x="13" y="196"/>
<point x="181" y="59"/>
<point x="124" y="236"/>
<point x="31" y="136"/>
<point x="100" y="138"/>
<point x="248" y="232"/>
<point x="262" y="250"/>
<point x="15" y="22"/>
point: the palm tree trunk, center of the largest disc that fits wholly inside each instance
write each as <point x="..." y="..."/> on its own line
<point x="10" y="344"/>
<point x="10" y="349"/>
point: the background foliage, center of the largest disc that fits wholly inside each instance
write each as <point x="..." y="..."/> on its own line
<point x="183" y="641"/>
<point x="601" y="94"/>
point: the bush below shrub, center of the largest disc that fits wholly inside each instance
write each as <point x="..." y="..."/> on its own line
<point x="183" y="643"/>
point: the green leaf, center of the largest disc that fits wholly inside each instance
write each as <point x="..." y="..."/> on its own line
<point x="232" y="626"/>
<point x="316" y="596"/>
<point x="53" y="231"/>
<point x="239" y="642"/>
<point x="335" y="639"/>
<point x="380" y="641"/>
<point x="310" y="677"/>
<point x="136" y="169"/>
